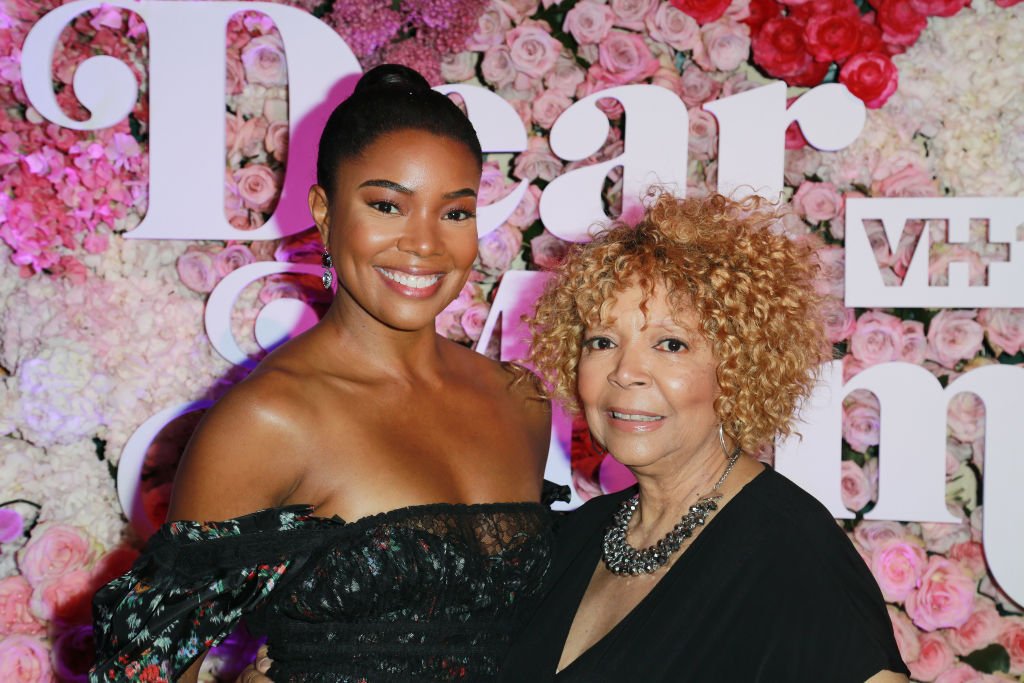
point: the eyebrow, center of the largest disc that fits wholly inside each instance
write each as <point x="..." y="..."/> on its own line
<point x="391" y="185"/>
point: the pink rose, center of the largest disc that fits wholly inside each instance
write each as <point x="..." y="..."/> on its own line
<point x="588" y="22"/>
<point x="898" y="566"/>
<point x="15" y="616"/>
<point x="971" y="557"/>
<point x="1012" y="638"/>
<point x="493" y="184"/>
<point x="966" y="417"/>
<point x="908" y="638"/>
<point x="944" y="598"/>
<point x="877" y="339"/>
<point x="726" y="45"/>
<point x="831" y="271"/>
<point x="257" y="186"/>
<point x="565" y="77"/>
<point x="670" y="25"/>
<point x="939" y="537"/>
<point x="264" y="61"/>
<point x="668" y="77"/>
<point x="498" y="248"/>
<point x="703" y="134"/>
<point x="197" y="270"/>
<point x="66" y="599"/>
<point x="818" y="202"/>
<point x="276" y="140"/>
<point x="943" y="254"/>
<point x="497" y="67"/>
<point x="914" y="343"/>
<point x="697" y="86"/>
<point x="532" y="48"/>
<point x="548" y="107"/>
<point x="909" y="181"/>
<point x="491" y="28"/>
<point x="840" y="321"/>
<point x="964" y="673"/>
<point x="1004" y="328"/>
<point x="936" y="656"/>
<point x="625" y="58"/>
<point x="236" y="73"/>
<point x="548" y="251"/>
<point x="474" y="318"/>
<point x="980" y="630"/>
<point x="631" y="13"/>
<point x="861" y="421"/>
<point x="856" y="489"/>
<point x="954" y="336"/>
<point x="518" y="10"/>
<point x="870" y="534"/>
<point x="249" y="137"/>
<point x="527" y="213"/>
<point x="537" y="161"/>
<point x="879" y="241"/>
<point x="53" y="551"/>
<point x="231" y="258"/>
<point x="24" y="659"/>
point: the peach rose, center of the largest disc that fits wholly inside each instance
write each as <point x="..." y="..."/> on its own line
<point x="232" y="257"/>
<point x="493" y="184"/>
<point x="870" y="534"/>
<point x="548" y="251"/>
<point x="971" y="557"/>
<point x="249" y="137"/>
<point x="53" y="551"/>
<point x="474" y="318"/>
<point x="954" y="336"/>
<point x="276" y="140"/>
<point x="532" y="48"/>
<point x="726" y="45"/>
<point x="1004" y="328"/>
<point x="667" y="24"/>
<point x="915" y="345"/>
<point x="943" y="254"/>
<point x="565" y="77"/>
<point x="908" y="638"/>
<point x="257" y="186"/>
<point x="909" y="181"/>
<point x="65" y="599"/>
<point x="632" y="13"/>
<point x="980" y="630"/>
<point x="966" y="417"/>
<point x="527" y="213"/>
<point x="588" y="22"/>
<point x="818" y="202"/>
<point x="668" y="77"/>
<point x="491" y="28"/>
<point x="831" y="280"/>
<point x="497" y="67"/>
<point x="703" y="134"/>
<point x="944" y="598"/>
<point x="936" y="656"/>
<point x="197" y="270"/>
<point x="861" y="421"/>
<point x="855" y="487"/>
<point x="897" y="566"/>
<point x="877" y="339"/>
<point x="939" y="537"/>
<point x="235" y="73"/>
<point x="549" y="106"/>
<point x="1012" y="638"/>
<point x="264" y="61"/>
<point x="24" y="659"/>
<point x="15" y="616"/>
<point x="498" y="249"/>
<point x="537" y="161"/>
<point x="840" y="321"/>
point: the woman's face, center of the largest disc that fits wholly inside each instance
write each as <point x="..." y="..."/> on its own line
<point x="400" y="224"/>
<point x="647" y="383"/>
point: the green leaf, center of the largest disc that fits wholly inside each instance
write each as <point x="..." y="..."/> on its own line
<point x="989" y="659"/>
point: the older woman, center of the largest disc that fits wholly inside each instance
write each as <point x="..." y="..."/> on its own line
<point x="689" y="342"/>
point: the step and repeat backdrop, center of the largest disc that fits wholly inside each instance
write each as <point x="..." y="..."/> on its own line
<point x="155" y="244"/>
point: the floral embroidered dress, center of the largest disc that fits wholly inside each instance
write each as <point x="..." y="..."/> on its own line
<point x="424" y="593"/>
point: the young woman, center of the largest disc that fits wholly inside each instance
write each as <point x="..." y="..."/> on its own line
<point x="379" y="486"/>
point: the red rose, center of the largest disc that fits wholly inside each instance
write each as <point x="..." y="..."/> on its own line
<point x="1007" y="3"/>
<point x="832" y="38"/>
<point x="795" y="137"/>
<point x="870" y="36"/>
<point x="812" y="74"/>
<point x="871" y="76"/>
<point x="939" y="8"/>
<point x="779" y="48"/>
<point x="901" y="24"/>
<point x="760" y="12"/>
<point x="703" y="11"/>
<point x="824" y="8"/>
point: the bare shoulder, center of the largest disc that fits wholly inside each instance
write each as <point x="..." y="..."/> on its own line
<point x="887" y="677"/>
<point x="243" y="456"/>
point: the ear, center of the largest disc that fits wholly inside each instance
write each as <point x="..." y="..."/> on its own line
<point x="321" y="215"/>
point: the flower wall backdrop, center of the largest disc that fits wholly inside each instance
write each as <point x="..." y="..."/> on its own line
<point x="97" y="333"/>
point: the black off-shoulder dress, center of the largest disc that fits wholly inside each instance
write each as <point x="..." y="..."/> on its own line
<point x="424" y="593"/>
<point x="771" y="592"/>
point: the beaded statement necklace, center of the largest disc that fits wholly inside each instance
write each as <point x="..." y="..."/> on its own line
<point x="622" y="559"/>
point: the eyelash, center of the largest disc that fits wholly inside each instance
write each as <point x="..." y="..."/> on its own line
<point x="382" y="207"/>
<point x="591" y="343"/>
<point x="457" y="215"/>
<point x="683" y="345"/>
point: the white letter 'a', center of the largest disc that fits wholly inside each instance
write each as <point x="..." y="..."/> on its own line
<point x="187" y="42"/>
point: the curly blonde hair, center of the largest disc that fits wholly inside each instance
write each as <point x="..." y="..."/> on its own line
<point x="751" y="286"/>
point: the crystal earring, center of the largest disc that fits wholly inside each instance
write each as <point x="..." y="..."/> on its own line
<point x="328" y="277"/>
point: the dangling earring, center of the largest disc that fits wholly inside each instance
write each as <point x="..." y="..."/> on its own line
<point x="328" y="277"/>
<point x="721" y="439"/>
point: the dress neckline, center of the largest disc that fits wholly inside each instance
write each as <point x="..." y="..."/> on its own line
<point x="593" y="550"/>
<point x="418" y="509"/>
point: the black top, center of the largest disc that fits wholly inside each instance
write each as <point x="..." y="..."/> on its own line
<point x="771" y="591"/>
<point x="424" y="593"/>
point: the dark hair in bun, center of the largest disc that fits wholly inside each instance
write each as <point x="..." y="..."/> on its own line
<point x="388" y="98"/>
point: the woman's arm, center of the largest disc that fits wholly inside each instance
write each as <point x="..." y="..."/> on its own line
<point x="884" y="677"/>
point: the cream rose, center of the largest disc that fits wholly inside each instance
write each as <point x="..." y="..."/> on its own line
<point x="532" y="48"/>
<point x="877" y="339"/>
<point x="264" y="61"/>
<point x="588" y="22"/>
<point x="53" y="551"/>
<point x="954" y="335"/>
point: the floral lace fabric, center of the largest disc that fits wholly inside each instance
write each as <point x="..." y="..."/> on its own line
<point x="425" y="593"/>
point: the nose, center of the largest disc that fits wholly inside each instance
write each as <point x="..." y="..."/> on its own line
<point x="629" y="370"/>
<point x="421" y="237"/>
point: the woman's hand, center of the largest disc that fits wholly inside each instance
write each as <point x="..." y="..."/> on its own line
<point x="257" y="671"/>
